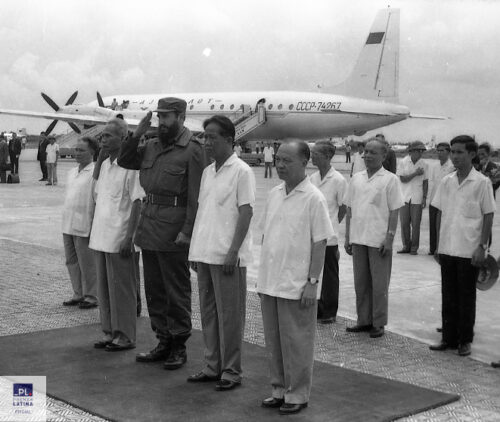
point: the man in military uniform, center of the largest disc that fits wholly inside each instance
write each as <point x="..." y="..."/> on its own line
<point x="170" y="167"/>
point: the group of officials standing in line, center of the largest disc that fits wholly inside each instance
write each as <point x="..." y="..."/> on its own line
<point x="161" y="197"/>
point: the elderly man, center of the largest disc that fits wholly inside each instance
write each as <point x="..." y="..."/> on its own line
<point x="295" y="226"/>
<point x="466" y="207"/>
<point x="413" y="173"/>
<point x="170" y="167"/>
<point x="221" y="250"/>
<point x="333" y="186"/>
<point x="78" y="212"/>
<point x="373" y="200"/>
<point x="437" y="173"/>
<point x="117" y="210"/>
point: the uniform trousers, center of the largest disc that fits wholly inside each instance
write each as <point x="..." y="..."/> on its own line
<point x="433" y="212"/>
<point x="168" y="296"/>
<point x="222" y="308"/>
<point x="289" y="331"/>
<point x="372" y="273"/>
<point x="458" y="291"/>
<point x="117" y="293"/>
<point x="80" y="262"/>
<point x="329" y="300"/>
<point x="411" y="215"/>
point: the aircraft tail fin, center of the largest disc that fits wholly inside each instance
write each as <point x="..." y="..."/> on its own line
<point x="376" y="73"/>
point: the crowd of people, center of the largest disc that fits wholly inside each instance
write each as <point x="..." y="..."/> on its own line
<point x="182" y="202"/>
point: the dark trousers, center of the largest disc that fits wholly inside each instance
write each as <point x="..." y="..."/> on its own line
<point x="458" y="289"/>
<point x="168" y="296"/>
<point x="14" y="163"/>
<point x="43" y="167"/>
<point x="347" y="157"/>
<point x="433" y="212"/>
<point x="268" y="166"/>
<point x="328" y="303"/>
<point x="410" y="215"/>
<point x="3" y="176"/>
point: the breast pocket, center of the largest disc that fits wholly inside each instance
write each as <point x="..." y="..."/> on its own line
<point x="471" y="209"/>
<point x="224" y="193"/>
<point x="173" y="179"/>
<point x="376" y="197"/>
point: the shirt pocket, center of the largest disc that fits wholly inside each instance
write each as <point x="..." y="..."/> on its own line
<point x="223" y="193"/>
<point x="471" y="209"/>
<point x="375" y="197"/>
<point x="173" y="179"/>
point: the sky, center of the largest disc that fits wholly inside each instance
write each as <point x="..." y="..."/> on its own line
<point x="449" y="54"/>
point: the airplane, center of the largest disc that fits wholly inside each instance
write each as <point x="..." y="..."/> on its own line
<point x="366" y="100"/>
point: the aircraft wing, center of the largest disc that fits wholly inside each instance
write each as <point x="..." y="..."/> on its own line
<point x="428" y="116"/>
<point x="99" y="117"/>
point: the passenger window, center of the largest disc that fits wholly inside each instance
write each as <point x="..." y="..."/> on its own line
<point x="222" y="106"/>
<point x="191" y="107"/>
<point x="212" y="107"/>
<point x="270" y="107"/>
<point x="280" y="106"/>
<point x="290" y="107"/>
<point x="232" y="106"/>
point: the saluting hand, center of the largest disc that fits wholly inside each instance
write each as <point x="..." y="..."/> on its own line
<point x="144" y="125"/>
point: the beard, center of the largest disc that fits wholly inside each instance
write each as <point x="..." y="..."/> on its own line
<point x="167" y="135"/>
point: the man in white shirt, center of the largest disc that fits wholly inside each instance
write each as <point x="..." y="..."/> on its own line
<point x="333" y="186"/>
<point x="358" y="164"/>
<point x="437" y="172"/>
<point x="268" y="159"/>
<point x="78" y="212"/>
<point x="373" y="201"/>
<point x="413" y="173"/>
<point x="52" y="152"/>
<point x="119" y="195"/>
<point x="466" y="208"/>
<point x="295" y="227"/>
<point x="220" y="250"/>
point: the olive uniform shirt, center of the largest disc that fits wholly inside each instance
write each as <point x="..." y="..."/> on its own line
<point x="166" y="171"/>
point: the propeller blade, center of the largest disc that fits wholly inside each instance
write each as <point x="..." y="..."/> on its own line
<point x="72" y="98"/>
<point x="51" y="127"/>
<point x="75" y="127"/>
<point x="50" y="102"/>
<point x="99" y="100"/>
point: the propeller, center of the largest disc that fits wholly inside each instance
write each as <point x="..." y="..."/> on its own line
<point x="53" y="104"/>
<point x="99" y="100"/>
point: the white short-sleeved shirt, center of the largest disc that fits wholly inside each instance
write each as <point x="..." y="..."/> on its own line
<point x="221" y="193"/>
<point x="52" y="152"/>
<point x="291" y="224"/>
<point x="462" y="210"/>
<point x="371" y="200"/>
<point x="358" y="164"/>
<point x="237" y="149"/>
<point x="413" y="190"/>
<point x="78" y="209"/>
<point x="268" y="154"/>
<point x="116" y="190"/>
<point x="333" y="187"/>
<point x="437" y="173"/>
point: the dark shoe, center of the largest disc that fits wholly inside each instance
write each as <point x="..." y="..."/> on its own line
<point x="464" y="349"/>
<point x="272" y="403"/>
<point x="113" y="347"/>
<point x="48" y="184"/>
<point x="201" y="377"/>
<point x="175" y="360"/>
<point x="330" y="320"/>
<point x="495" y="364"/>
<point x="43" y="179"/>
<point x="160" y="352"/>
<point x="358" y="328"/>
<point x="439" y="329"/>
<point x="413" y="253"/>
<point x="376" y="332"/>
<point x="87" y="305"/>
<point x="404" y="251"/>
<point x="101" y="344"/>
<point x="224" y="385"/>
<point x="72" y="302"/>
<point x="430" y="253"/>
<point x="442" y="346"/>
<point x="290" y="409"/>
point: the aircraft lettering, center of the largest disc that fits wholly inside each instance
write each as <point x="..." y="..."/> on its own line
<point x="319" y="106"/>
<point x="200" y="100"/>
<point x="190" y="101"/>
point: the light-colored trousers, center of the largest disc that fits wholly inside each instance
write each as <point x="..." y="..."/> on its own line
<point x="289" y="331"/>
<point x="411" y="216"/>
<point x="80" y="261"/>
<point x="52" y="172"/>
<point x="372" y="274"/>
<point x="222" y="308"/>
<point x="117" y="293"/>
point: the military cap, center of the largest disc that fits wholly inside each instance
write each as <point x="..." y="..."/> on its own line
<point x="416" y="146"/>
<point x="171" y="104"/>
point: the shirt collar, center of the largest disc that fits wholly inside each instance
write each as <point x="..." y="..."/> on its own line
<point x="301" y="187"/>
<point x="229" y="162"/>
<point x="88" y="167"/>
<point x="380" y="172"/>
<point x="472" y="176"/>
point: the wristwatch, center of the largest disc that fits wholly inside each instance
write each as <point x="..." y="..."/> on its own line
<point x="312" y="280"/>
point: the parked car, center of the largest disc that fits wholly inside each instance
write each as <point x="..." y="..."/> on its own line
<point x="252" y="159"/>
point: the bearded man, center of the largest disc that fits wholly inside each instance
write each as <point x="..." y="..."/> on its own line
<point x="170" y="167"/>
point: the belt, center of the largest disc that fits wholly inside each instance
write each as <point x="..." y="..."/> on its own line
<point x="165" y="200"/>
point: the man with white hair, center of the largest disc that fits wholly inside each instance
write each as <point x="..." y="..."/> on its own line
<point x="118" y="202"/>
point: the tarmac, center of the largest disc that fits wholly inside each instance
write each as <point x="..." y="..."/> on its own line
<point x="32" y="258"/>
